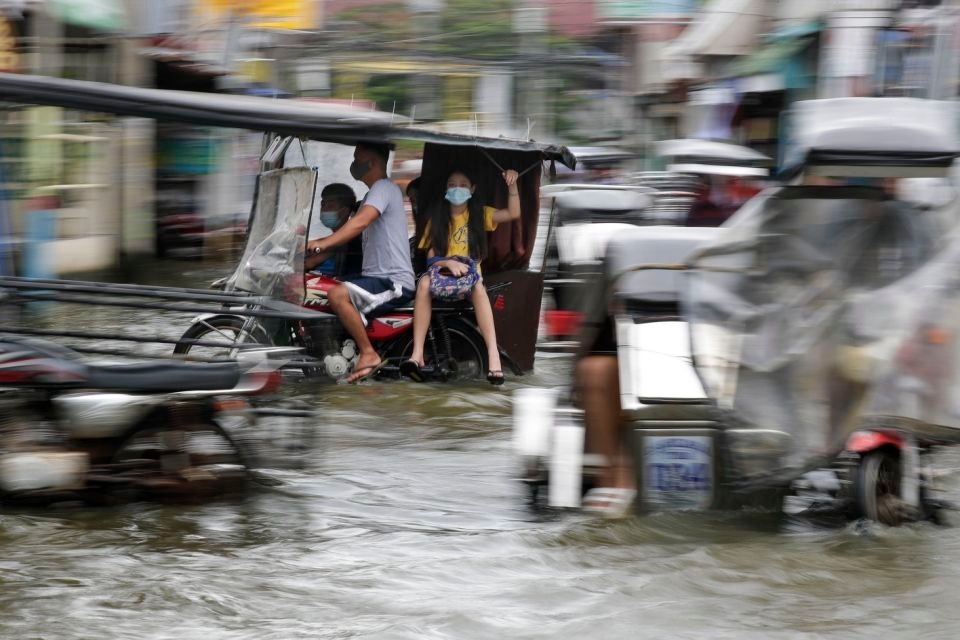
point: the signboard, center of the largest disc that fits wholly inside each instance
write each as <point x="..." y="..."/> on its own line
<point x="639" y="10"/>
<point x="104" y="15"/>
<point x="263" y="14"/>
<point x="9" y="59"/>
<point x="678" y="471"/>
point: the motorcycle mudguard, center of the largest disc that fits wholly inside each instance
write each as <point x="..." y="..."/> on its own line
<point x="103" y="415"/>
<point x="206" y="317"/>
<point x="865" y="440"/>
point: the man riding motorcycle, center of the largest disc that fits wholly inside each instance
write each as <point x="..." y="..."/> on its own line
<point x="387" y="280"/>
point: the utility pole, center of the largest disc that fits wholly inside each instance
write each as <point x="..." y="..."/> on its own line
<point x="426" y="19"/>
<point x="530" y="24"/>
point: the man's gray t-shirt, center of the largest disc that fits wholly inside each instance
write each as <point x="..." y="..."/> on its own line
<point x="386" y="249"/>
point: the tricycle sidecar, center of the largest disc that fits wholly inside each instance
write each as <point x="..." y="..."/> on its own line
<point x="685" y="450"/>
<point x="821" y="323"/>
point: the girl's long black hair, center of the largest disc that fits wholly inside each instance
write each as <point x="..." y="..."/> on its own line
<point x="440" y="223"/>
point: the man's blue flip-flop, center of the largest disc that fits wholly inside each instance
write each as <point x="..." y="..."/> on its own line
<point x="369" y="372"/>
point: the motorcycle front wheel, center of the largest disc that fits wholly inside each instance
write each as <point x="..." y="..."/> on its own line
<point x="226" y="330"/>
<point x="877" y="488"/>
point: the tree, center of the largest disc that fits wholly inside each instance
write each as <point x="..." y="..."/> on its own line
<point x="472" y="29"/>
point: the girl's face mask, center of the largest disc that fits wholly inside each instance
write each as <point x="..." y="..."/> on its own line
<point x="458" y="195"/>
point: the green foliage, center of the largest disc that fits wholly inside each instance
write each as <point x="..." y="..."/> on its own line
<point x="481" y="29"/>
<point x="565" y="103"/>
<point x="382" y="23"/>
<point x="476" y="29"/>
<point x="390" y="92"/>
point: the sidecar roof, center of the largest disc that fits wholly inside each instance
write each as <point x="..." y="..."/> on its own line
<point x="712" y="157"/>
<point x="710" y="152"/>
<point x="874" y="137"/>
<point x="594" y="199"/>
<point x="329" y="122"/>
<point x="633" y="257"/>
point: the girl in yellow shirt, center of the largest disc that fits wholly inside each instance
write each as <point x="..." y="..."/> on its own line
<point x="459" y="228"/>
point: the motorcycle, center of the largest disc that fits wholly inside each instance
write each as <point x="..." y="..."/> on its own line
<point x="71" y="431"/>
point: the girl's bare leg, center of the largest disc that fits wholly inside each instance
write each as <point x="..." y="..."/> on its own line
<point x="422" y="307"/>
<point x="484" y="312"/>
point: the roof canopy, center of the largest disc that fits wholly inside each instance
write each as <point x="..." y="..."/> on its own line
<point x="710" y="152"/>
<point x="892" y="134"/>
<point x="332" y="123"/>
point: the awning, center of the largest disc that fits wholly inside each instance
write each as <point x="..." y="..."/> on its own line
<point x="722" y="28"/>
<point x="102" y="15"/>
<point x="408" y="66"/>
<point x="775" y="57"/>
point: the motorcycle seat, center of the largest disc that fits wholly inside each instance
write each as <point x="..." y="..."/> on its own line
<point x="163" y="377"/>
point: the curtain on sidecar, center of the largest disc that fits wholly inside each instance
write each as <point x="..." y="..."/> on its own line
<point x="272" y="261"/>
<point x="795" y="309"/>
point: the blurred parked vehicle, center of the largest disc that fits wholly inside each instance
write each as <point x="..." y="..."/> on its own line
<point x="584" y="219"/>
<point x="71" y="430"/>
<point x="596" y="165"/>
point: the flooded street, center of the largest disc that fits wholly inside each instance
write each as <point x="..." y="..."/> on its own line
<point x="407" y="522"/>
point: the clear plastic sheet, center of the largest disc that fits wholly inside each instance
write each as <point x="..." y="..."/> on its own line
<point x="822" y="309"/>
<point x="272" y="261"/>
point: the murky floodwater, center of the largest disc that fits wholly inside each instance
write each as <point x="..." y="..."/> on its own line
<point x="406" y="522"/>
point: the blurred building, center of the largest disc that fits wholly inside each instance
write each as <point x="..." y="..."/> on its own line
<point x="77" y="179"/>
<point x="98" y="187"/>
<point x="729" y="69"/>
<point x="621" y="72"/>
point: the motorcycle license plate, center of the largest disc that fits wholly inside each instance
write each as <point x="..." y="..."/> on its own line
<point x="678" y="472"/>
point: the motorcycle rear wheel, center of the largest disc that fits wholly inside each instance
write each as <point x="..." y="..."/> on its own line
<point x="467" y="359"/>
<point x="226" y="329"/>
<point x="877" y="488"/>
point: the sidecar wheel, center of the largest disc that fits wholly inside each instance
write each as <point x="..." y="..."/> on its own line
<point x="181" y="463"/>
<point x="226" y="329"/>
<point x="877" y="488"/>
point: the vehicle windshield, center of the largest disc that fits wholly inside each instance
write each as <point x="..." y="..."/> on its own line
<point x="795" y="309"/>
<point x="272" y="261"/>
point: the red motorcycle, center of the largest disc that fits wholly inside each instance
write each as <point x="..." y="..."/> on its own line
<point x="454" y="348"/>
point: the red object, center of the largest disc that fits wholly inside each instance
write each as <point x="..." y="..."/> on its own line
<point x="499" y="304"/>
<point x="379" y="329"/>
<point x="864" y="441"/>
<point x="269" y="382"/>
<point x="562" y="323"/>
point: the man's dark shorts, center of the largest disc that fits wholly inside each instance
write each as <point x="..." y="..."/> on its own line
<point x="373" y="296"/>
